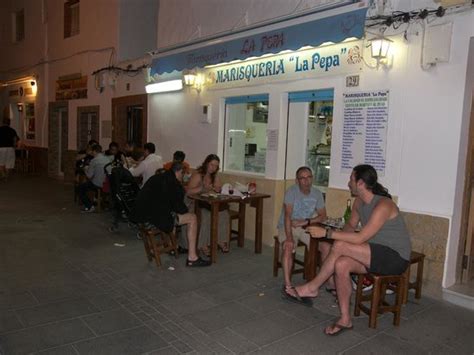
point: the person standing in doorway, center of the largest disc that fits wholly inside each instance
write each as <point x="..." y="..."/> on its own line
<point x="8" y="141"/>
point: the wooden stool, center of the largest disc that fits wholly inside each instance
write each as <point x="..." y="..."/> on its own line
<point x="277" y="263"/>
<point x="157" y="242"/>
<point x="102" y="199"/>
<point x="376" y="297"/>
<point x="418" y="259"/>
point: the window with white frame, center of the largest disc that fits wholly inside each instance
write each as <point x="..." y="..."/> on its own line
<point x="18" y="22"/>
<point x="246" y="133"/>
<point x="71" y="18"/>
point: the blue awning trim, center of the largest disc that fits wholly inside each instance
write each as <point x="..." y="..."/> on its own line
<point x="328" y="29"/>
<point x="246" y="98"/>
<point x="308" y="96"/>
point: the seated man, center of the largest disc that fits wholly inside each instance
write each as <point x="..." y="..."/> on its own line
<point x="382" y="246"/>
<point x="114" y="154"/>
<point x="178" y="156"/>
<point x="149" y="165"/>
<point x="303" y="205"/>
<point x="96" y="176"/>
<point x="161" y="203"/>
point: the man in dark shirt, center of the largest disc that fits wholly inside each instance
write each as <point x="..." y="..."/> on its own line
<point x="160" y="202"/>
<point x="8" y="140"/>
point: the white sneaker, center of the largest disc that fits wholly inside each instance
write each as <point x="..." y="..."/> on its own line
<point x="88" y="210"/>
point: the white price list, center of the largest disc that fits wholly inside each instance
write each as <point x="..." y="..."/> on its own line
<point x="364" y="135"/>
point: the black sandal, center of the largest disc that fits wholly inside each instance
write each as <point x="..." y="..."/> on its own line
<point x="198" y="262"/>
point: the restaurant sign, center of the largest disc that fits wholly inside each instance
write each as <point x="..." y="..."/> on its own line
<point x="337" y="59"/>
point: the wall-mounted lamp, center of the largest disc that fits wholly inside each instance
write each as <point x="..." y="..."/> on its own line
<point x="193" y="80"/>
<point x="380" y="47"/>
<point x="164" y="86"/>
<point x="189" y="78"/>
<point x="19" y="106"/>
<point x="25" y="79"/>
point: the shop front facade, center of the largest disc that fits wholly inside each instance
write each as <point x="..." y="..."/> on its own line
<point x="330" y="107"/>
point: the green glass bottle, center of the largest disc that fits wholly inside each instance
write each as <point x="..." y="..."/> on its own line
<point x="347" y="213"/>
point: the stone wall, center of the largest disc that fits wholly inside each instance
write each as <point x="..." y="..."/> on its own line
<point x="429" y="235"/>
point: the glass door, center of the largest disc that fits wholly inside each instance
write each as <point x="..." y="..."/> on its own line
<point x="309" y="134"/>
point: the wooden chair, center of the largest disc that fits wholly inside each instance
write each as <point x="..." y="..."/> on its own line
<point x="376" y="297"/>
<point x="418" y="260"/>
<point x="233" y="233"/>
<point x="157" y="242"/>
<point x="99" y="196"/>
<point x="101" y="199"/>
<point x="277" y="263"/>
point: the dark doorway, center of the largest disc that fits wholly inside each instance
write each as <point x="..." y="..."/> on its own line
<point x="87" y="125"/>
<point x="129" y="119"/>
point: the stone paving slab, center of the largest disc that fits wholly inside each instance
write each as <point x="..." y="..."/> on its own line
<point x="43" y="337"/>
<point x="220" y="316"/>
<point x="55" y="311"/>
<point x="16" y="300"/>
<point x="9" y="321"/>
<point x="111" y="321"/>
<point x="133" y="341"/>
<point x="267" y="329"/>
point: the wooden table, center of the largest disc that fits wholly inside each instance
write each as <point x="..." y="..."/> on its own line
<point x="221" y="202"/>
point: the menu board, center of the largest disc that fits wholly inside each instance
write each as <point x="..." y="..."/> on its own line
<point x="364" y="135"/>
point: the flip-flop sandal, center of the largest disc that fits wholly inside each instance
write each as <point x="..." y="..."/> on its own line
<point x="305" y="301"/>
<point x="342" y="329"/>
<point x="332" y="291"/>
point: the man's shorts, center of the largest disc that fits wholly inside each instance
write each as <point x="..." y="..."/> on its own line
<point x="386" y="261"/>
<point x="7" y="157"/>
<point x="299" y="234"/>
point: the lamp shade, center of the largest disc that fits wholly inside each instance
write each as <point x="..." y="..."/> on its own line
<point x="380" y="47"/>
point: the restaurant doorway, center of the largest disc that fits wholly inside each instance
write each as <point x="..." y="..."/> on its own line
<point x="87" y="125"/>
<point x="309" y="134"/>
<point x="129" y="120"/>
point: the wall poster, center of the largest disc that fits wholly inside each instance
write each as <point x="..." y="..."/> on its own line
<point x="364" y="135"/>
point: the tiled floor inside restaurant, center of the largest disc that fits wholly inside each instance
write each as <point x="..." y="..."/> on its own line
<point x="68" y="286"/>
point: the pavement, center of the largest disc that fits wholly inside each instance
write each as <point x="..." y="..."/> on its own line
<point x="68" y="286"/>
